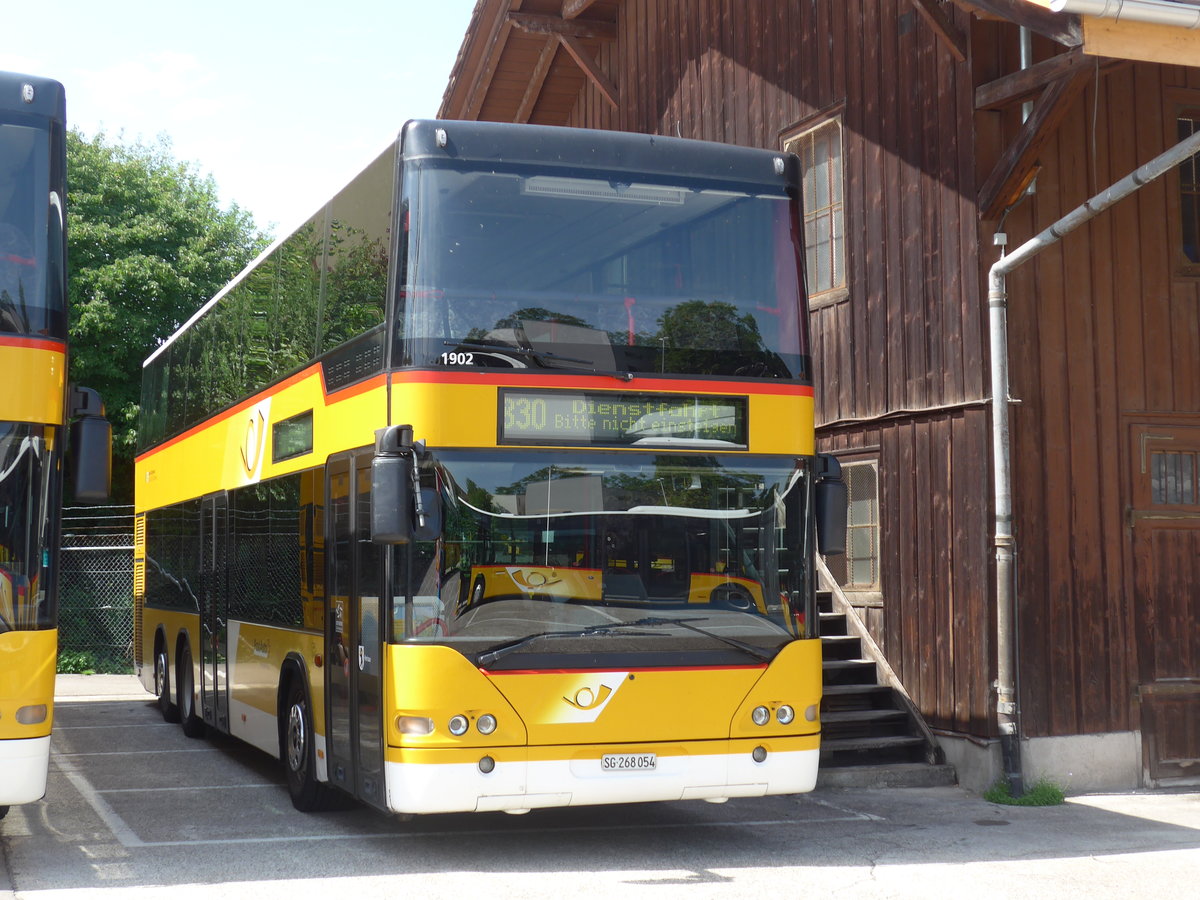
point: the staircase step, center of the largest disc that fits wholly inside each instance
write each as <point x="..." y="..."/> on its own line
<point x="858" y="744"/>
<point x="837" y="690"/>
<point x="848" y="671"/>
<point x="840" y="646"/>
<point x="863" y="715"/>
<point x="832" y="624"/>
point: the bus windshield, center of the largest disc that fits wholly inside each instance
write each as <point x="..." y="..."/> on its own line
<point x="583" y="271"/>
<point x="637" y="558"/>
<point x="26" y="483"/>
<point x="25" y="211"/>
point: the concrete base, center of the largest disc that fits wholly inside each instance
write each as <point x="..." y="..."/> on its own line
<point x="1078" y="764"/>
<point x="895" y="775"/>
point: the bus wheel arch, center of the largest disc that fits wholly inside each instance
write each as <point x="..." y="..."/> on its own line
<point x="297" y="741"/>
<point x="162" y="679"/>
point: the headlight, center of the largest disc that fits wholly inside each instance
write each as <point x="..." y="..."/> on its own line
<point x="458" y="725"/>
<point x="761" y="715"/>
<point x="785" y="714"/>
<point x="33" y="715"/>
<point x="414" y="725"/>
<point x="486" y="724"/>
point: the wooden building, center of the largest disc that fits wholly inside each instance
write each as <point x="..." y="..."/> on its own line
<point x="927" y="127"/>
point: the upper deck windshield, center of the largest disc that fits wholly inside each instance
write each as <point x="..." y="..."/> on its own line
<point x="28" y="211"/>
<point x="580" y="271"/>
<point x="611" y="559"/>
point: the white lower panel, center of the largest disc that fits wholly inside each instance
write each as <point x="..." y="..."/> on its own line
<point x="254" y="726"/>
<point x="415" y="788"/>
<point x="262" y="730"/>
<point x="23" y="770"/>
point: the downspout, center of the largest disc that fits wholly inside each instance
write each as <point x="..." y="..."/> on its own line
<point x="1004" y="541"/>
<point x="1154" y="12"/>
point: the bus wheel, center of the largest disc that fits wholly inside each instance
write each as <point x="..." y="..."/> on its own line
<point x="3" y="811"/>
<point x="193" y="725"/>
<point x="299" y="752"/>
<point x="732" y="596"/>
<point x="162" y="688"/>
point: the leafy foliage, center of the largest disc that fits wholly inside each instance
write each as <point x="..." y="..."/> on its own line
<point x="148" y="243"/>
<point x="1043" y="793"/>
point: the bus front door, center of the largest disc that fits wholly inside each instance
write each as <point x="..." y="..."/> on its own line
<point x="214" y="630"/>
<point x="353" y="633"/>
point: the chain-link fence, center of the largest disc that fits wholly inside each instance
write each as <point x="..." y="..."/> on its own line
<point x="95" y="590"/>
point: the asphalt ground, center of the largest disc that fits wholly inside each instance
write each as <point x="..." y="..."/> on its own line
<point x="136" y="809"/>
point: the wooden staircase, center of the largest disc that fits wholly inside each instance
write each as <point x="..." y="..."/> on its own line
<point x="871" y="733"/>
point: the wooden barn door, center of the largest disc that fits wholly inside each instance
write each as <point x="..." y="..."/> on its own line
<point x="1165" y="520"/>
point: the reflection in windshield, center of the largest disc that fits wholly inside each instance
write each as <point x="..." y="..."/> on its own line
<point x="514" y="271"/>
<point x="25" y="485"/>
<point x="699" y="552"/>
<point x="24" y="205"/>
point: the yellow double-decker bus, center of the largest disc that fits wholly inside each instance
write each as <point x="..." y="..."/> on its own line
<point x="493" y="485"/>
<point x="35" y="404"/>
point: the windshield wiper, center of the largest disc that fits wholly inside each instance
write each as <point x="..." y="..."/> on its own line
<point x="490" y="655"/>
<point x="540" y="355"/>
<point x="757" y="652"/>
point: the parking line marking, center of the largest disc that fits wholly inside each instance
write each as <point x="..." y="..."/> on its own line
<point x="141" y="752"/>
<point x="196" y="787"/>
<point x="624" y="827"/>
<point x="122" y="832"/>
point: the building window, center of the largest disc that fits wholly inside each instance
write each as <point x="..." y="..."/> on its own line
<point x="820" y="152"/>
<point x="858" y="569"/>
<point x="1173" y="478"/>
<point x="1189" y="191"/>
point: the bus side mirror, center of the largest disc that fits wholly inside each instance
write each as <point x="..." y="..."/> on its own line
<point x="391" y="486"/>
<point x="89" y="439"/>
<point x="831" y="503"/>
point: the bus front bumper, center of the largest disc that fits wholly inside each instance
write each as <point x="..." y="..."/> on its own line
<point x="23" y="765"/>
<point x="520" y="779"/>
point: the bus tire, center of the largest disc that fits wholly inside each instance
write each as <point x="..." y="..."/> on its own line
<point x="732" y="596"/>
<point x="3" y="811"/>
<point x="193" y="725"/>
<point x="162" y="687"/>
<point x="299" y="752"/>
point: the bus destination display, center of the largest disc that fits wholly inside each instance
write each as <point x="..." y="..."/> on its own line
<point x="601" y="418"/>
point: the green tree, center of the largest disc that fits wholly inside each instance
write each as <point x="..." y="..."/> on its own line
<point x="148" y="244"/>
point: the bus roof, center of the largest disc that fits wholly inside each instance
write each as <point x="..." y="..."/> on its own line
<point x="32" y="94"/>
<point x="553" y="146"/>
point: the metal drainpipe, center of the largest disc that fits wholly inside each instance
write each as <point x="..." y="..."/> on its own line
<point x="1156" y="12"/>
<point x="1005" y="541"/>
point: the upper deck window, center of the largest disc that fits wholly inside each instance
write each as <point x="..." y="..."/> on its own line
<point x="25" y="216"/>
<point x="582" y="270"/>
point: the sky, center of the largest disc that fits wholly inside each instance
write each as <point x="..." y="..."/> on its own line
<point x="281" y="101"/>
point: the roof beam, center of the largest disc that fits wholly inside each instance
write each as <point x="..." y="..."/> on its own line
<point x="584" y="60"/>
<point x="1027" y="83"/>
<point x="943" y="26"/>
<point x="1063" y="29"/>
<point x="573" y="8"/>
<point x="482" y="82"/>
<point x="537" y="79"/>
<point x="1017" y="166"/>
<point x="535" y="23"/>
